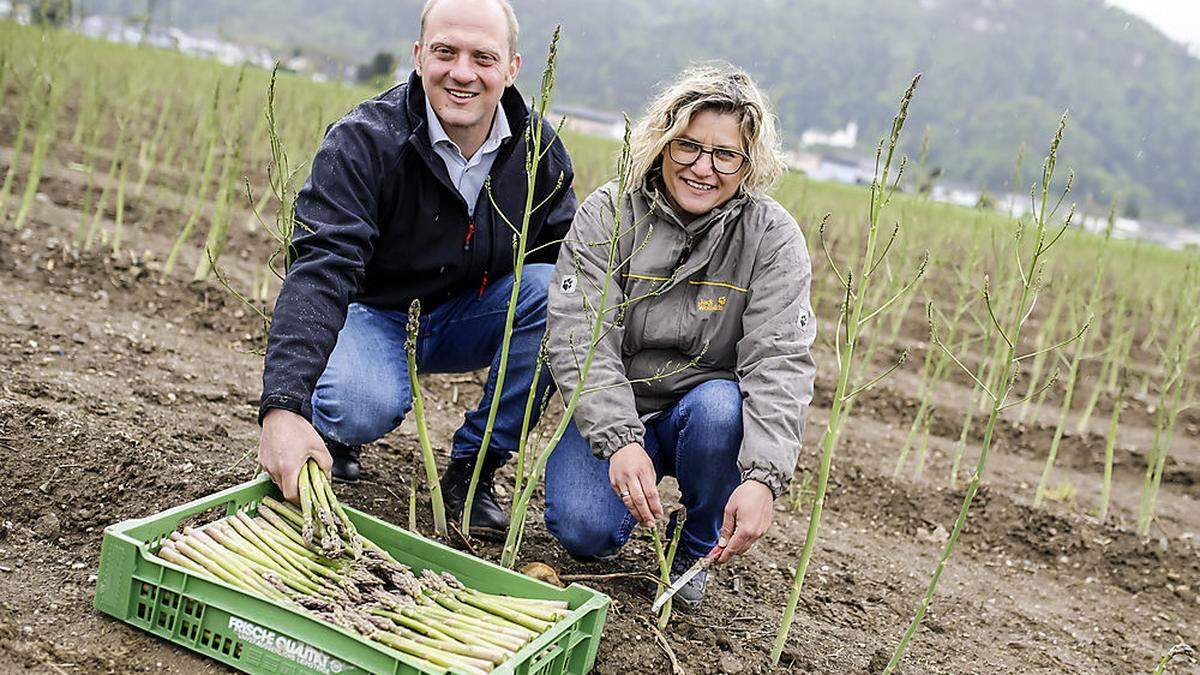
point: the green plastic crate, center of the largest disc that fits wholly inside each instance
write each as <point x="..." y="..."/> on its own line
<point x="257" y="636"/>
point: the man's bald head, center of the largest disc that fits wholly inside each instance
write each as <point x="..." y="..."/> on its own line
<point x="505" y="8"/>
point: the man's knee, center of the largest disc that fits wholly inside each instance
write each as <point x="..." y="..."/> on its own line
<point x="535" y="281"/>
<point x="535" y="277"/>
<point x="359" y="415"/>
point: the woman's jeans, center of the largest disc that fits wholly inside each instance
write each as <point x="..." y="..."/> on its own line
<point x="697" y="441"/>
<point x="364" y="392"/>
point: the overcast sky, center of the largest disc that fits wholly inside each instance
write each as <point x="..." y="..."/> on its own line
<point x="1179" y="19"/>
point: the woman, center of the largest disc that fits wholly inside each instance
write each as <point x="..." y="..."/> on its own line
<point x="703" y="371"/>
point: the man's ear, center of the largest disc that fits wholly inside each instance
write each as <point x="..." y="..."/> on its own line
<point x="416" y="56"/>
<point x="514" y="67"/>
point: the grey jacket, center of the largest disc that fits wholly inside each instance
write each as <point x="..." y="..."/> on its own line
<point x="725" y="296"/>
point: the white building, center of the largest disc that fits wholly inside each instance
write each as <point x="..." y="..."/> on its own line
<point x="841" y="138"/>
<point x="589" y="121"/>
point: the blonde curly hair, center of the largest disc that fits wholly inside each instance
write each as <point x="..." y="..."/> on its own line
<point x="713" y="86"/>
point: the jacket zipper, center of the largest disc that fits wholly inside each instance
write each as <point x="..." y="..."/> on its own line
<point x="470" y="234"/>
<point x="467" y="246"/>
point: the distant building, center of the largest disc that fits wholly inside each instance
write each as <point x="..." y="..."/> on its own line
<point x="950" y="193"/>
<point x="840" y="169"/>
<point x="18" y="13"/>
<point x="842" y="138"/>
<point x="1123" y="228"/>
<point x="589" y="121"/>
<point x="228" y="53"/>
<point x="806" y="163"/>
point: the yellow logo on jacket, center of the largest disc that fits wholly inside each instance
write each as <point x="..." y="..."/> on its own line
<point x="710" y="304"/>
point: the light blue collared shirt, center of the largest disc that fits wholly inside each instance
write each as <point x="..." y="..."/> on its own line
<point x="468" y="174"/>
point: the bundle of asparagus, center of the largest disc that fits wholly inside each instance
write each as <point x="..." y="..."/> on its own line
<point x="312" y="559"/>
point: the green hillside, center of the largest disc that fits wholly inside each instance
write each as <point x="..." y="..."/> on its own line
<point x="998" y="72"/>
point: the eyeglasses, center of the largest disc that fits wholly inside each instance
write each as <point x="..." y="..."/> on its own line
<point x="724" y="160"/>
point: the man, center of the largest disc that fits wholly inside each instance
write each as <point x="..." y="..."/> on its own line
<point x="395" y="210"/>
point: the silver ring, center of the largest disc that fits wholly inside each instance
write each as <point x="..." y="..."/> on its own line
<point x="624" y="494"/>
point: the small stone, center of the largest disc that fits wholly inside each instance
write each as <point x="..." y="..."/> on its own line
<point x="937" y="535"/>
<point x="48" y="526"/>
<point x="731" y="664"/>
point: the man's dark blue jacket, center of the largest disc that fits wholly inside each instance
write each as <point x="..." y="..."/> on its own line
<point x="379" y="222"/>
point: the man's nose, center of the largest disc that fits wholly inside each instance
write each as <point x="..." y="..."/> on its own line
<point x="462" y="71"/>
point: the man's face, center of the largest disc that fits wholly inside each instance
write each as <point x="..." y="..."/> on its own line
<point x="464" y="63"/>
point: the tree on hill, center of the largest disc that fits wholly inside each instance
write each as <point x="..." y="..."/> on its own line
<point x="378" y="71"/>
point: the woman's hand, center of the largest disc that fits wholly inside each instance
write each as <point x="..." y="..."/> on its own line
<point x="632" y="476"/>
<point x="747" y="517"/>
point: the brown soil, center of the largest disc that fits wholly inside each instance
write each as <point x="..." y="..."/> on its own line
<point x="122" y="395"/>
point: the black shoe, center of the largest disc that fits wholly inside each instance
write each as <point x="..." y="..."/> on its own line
<point x="692" y="593"/>
<point x="488" y="520"/>
<point x="606" y="556"/>
<point x="345" y="461"/>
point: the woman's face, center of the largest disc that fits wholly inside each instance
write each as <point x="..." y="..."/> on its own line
<point x="697" y="187"/>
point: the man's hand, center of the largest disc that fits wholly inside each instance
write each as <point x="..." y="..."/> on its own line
<point x="288" y="440"/>
<point x="632" y="476"/>
<point x="747" y="517"/>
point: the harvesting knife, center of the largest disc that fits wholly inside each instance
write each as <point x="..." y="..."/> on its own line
<point x="701" y="565"/>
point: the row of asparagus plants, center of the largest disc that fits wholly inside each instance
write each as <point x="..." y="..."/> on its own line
<point x="1008" y="326"/>
<point x="145" y="130"/>
<point x="313" y="560"/>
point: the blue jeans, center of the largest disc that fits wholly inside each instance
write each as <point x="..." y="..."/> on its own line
<point x="364" y="391"/>
<point x="697" y="441"/>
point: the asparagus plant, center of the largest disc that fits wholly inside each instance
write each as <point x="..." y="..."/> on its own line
<point x="534" y="152"/>
<point x="124" y="128"/>
<point x="666" y="558"/>
<point x="1045" y="338"/>
<point x="418" y="399"/>
<point x="853" y="316"/>
<point x="47" y="125"/>
<point x="1115" y="356"/>
<point x="1109" y="446"/>
<point x="24" y="120"/>
<point x="1077" y="356"/>
<point x="211" y="132"/>
<point x="218" y="231"/>
<point x="1176" y="359"/>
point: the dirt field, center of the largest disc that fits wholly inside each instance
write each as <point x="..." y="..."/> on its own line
<point x="121" y="395"/>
